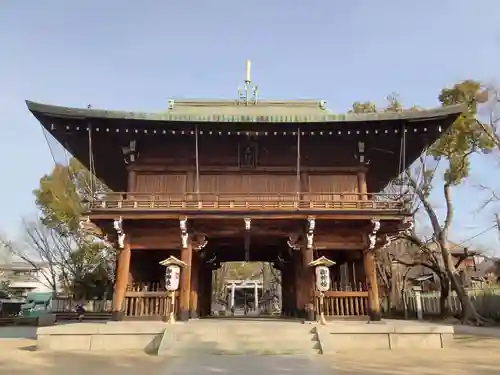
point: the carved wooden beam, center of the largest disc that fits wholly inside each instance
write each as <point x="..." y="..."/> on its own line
<point x="372" y="236"/>
<point x="120" y="234"/>
<point x="248" y="223"/>
<point x="311" y="225"/>
<point x="200" y="241"/>
<point x="281" y="260"/>
<point x="292" y="241"/>
<point x="248" y="226"/>
<point x="184" y="232"/>
<point x="406" y="227"/>
<point x="130" y="154"/>
<point x="89" y="227"/>
<point x="212" y="259"/>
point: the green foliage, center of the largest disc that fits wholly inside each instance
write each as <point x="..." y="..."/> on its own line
<point x="61" y="198"/>
<point x="363" y="107"/>
<point x="242" y="270"/>
<point x="92" y="271"/>
<point x="465" y="137"/>
<point x="61" y="194"/>
<point x="4" y="289"/>
<point x="394" y="104"/>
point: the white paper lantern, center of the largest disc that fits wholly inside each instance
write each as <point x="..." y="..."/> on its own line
<point x="172" y="276"/>
<point x="322" y="278"/>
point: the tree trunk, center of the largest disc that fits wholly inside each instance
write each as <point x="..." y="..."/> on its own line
<point x="469" y="313"/>
<point x="444" y="308"/>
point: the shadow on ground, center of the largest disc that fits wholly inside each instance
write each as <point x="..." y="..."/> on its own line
<point x="27" y="362"/>
<point x="18" y="332"/>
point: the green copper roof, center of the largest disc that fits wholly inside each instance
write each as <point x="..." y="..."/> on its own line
<point x="232" y="111"/>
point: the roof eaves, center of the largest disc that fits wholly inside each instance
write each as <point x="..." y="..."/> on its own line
<point x="67" y="112"/>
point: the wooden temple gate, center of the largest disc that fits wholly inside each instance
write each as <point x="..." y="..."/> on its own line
<point x="222" y="180"/>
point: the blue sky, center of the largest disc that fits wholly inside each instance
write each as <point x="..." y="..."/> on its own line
<point x="136" y="55"/>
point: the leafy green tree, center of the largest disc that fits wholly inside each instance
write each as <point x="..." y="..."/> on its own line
<point x="62" y="194"/>
<point x="77" y="260"/>
<point x="455" y="147"/>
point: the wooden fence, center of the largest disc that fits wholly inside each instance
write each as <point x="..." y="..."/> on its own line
<point x="343" y="304"/>
<point x="486" y="303"/>
<point x="148" y="300"/>
<point x="66" y="305"/>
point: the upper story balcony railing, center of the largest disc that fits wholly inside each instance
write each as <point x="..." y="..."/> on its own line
<point x="233" y="202"/>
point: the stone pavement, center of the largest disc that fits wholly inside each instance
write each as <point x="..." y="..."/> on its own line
<point x="472" y="355"/>
<point x="477" y="331"/>
<point x="247" y="365"/>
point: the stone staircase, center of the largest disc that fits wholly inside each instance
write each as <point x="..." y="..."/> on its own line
<point x="238" y="337"/>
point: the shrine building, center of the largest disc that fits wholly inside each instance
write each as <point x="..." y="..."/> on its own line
<point x="244" y="179"/>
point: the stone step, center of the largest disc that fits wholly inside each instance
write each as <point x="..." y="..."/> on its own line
<point x="240" y="338"/>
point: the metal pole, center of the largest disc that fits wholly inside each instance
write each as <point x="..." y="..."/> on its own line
<point x="298" y="163"/>
<point x="197" y="163"/>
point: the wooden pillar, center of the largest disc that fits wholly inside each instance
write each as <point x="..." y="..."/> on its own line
<point x="297" y="282"/>
<point x="207" y="291"/>
<point x="371" y="282"/>
<point x="291" y="292"/>
<point x="307" y="282"/>
<point x="208" y="280"/>
<point x="122" y="276"/>
<point x="185" y="284"/>
<point x="131" y="181"/>
<point x="201" y="288"/>
<point x="194" y="311"/>
<point x="362" y="185"/>
<point x="285" y="292"/>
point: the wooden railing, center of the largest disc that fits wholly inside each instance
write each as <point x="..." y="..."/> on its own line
<point x="248" y="201"/>
<point x="343" y="304"/>
<point x="148" y="300"/>
<point x="66" y="305"/>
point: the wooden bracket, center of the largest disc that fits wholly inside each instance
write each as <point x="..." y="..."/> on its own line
<point x="120" y="234"/>
<point x="372" y="236"/>
<point x="311" y="225"/>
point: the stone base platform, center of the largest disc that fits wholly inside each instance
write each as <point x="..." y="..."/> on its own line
<point x="106" y="336"/>
<point x="392" y="335"/>
<point x="240" y="337"/>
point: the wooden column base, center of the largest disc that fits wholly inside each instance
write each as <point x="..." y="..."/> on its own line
<point x="374" y="316"/>
<point x="117" y="316"/>
<point x="183" y="315"/>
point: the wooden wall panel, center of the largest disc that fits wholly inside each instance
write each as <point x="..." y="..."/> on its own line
<point x="275" y="151"/>
<point x="329" y="184"/>
<point x="215" y="150"/>
<point x="248" y="183"/>
<point x="160" y="183"/>
<point x="168" y="150"/>
<point x="338" y="240"/>
<point x="326" y="150"/>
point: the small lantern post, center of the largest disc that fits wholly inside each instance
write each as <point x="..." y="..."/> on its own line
<point x="322" y="271"/>
<point x="173" y="271"/>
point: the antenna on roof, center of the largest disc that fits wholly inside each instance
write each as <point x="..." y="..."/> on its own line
<point x="249" y="92"/>
<point x="248" y="68"/>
